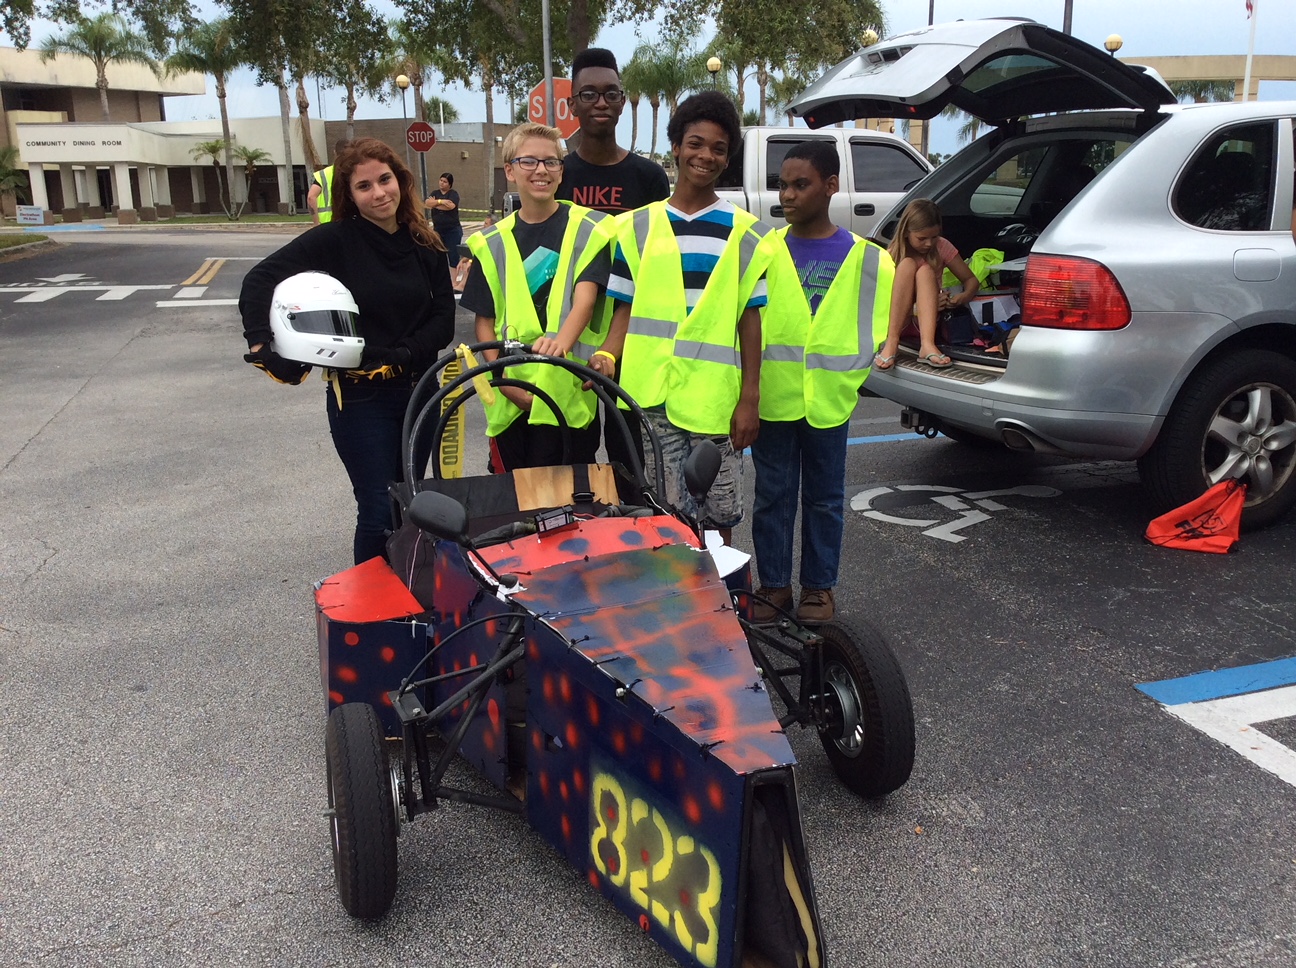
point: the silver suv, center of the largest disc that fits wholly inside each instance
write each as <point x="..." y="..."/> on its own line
<point x="1158" y="297"/>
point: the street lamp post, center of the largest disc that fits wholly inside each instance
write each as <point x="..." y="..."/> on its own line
<point x="403" y="82"/>
<point x="713" y="65"/>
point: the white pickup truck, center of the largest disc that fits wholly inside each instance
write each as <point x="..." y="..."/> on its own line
<point x="876" y="170"/>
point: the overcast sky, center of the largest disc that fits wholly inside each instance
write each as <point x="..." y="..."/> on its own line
<point x="1148" y="28"/>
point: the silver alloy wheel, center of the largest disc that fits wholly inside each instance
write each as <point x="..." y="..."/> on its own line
<point x="1252" y="437"/>
<point x="397" y="784"/>
<point x="847" y="726"/>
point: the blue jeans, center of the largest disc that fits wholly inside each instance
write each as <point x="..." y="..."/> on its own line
<point x="452" y="239"/>
<point x="367" y="435"/>
<point x="788" y="453"/>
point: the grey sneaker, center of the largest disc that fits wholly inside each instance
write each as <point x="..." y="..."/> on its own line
<point x="816" y="606"/>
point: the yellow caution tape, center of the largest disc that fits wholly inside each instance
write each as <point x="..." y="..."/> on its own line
<point x="480" y="381"/>
<point x="332" y="377"/>
<point x="451" y="454"/>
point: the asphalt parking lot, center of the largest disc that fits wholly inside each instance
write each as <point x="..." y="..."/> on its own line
<point x="164" y="510"/>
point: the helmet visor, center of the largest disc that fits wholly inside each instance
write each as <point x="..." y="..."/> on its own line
<point x="324" y="322"/>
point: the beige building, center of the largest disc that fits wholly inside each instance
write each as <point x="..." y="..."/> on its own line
<point x="140" y="166"/>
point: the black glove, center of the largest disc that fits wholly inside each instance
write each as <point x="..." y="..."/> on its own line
<point x="276" y="367"/>
<point x="382" y="364"/>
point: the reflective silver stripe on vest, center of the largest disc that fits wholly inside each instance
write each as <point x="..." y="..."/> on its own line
<point x="583" y="351"/>
<point x="326" y="194"/>
<point x="783" y="353"/>
<point x="747" y="246"/>
<point x="583" y="233"/>
<point x="642" y="219"/>
<point x="647" y="326"/>
<point x="846" y="362"/>
<point x="687" y="349"/>
<point x="499" y="255"/>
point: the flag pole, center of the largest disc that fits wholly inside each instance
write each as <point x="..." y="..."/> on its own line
<point x="1254" y="7"/>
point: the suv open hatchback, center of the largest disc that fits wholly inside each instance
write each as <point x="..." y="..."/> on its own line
<point x="1148" y="244"/>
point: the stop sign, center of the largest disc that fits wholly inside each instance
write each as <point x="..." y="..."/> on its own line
<point x="564" y="120"/>
<point x="420" y="135"/>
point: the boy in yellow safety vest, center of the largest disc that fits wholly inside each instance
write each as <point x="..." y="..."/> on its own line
<point x="538" y="276"/>
<point x="829" y="305"/>
<point x="688" y="283"/>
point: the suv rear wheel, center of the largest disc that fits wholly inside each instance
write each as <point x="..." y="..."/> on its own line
<point x="1234" y="418"/>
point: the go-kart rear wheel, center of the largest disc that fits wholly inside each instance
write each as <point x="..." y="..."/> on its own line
<point x="868" y="732"/>
<point x="363" y="811"/>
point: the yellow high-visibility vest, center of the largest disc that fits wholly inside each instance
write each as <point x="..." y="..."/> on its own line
<point x="812" y="366"/>
<point x="688" y="361"/>
<point x="497" y="252"/>
<point x="324" y="204"/>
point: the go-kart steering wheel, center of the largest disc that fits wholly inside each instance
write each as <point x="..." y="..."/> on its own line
<point x="422" y="407"/>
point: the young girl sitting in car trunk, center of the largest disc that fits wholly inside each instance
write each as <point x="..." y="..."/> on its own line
<point x="921" y="255"/>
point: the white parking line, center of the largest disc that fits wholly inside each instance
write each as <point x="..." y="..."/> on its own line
<point x="1232" y="721"/>
<point x="1226" y="704"/>
<point x="190" y="303"/>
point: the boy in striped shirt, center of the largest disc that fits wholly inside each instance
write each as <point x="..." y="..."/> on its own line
<point x="688" y="283"/>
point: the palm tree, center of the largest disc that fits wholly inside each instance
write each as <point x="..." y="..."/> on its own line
<point x="12" y="178"/>
<point x="783" y="91"/>
<point x="416" y="56"/>
<point x="214" y="150"/>
<point x="250" y="157"/>
<point x="356" y="56"/>
<point x="634" y="84"/>
<point x="970" y="127"/>
<point x="1199" y="91"/>
<point x="103" y="39"/>
<point x="667" y="71"/>
<point x="440" y="111"/>
<point x="212" y="48"/>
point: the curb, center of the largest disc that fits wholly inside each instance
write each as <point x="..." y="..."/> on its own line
<point x="27" y="247"/>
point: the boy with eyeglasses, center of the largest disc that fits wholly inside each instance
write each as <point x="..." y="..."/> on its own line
<point x="538" y="277"/>
<point x="602" y="175"/>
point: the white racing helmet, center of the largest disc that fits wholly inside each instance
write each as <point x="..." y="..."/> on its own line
<point x="313" y="318"/>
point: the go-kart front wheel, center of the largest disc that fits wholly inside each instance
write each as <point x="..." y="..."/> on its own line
<point x="868" y="729"/>
<point x="362" y="808"/>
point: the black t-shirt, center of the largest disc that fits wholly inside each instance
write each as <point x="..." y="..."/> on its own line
<point x="631" y="183"/>
<point x="442" y="220"/>
<point x="539" y="244"/>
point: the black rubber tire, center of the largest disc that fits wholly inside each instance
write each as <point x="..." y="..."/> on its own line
<point x="871" y="748"/>
<point x="364" y="824"/>
<point x="1178" y="468"/>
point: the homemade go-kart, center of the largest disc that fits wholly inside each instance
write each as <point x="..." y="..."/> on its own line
<point x="593" y="663"/>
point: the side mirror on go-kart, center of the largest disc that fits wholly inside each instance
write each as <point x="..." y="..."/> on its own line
<point x="443" y="517"/>
<point x="700" y="469"/>
<point x="440" y="515"/>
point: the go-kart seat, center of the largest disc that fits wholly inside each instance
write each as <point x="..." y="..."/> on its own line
<point x="494" y="500"/>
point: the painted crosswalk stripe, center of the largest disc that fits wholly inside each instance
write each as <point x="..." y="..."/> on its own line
<point x="190" y="303"/>
<point x="1226" y="704"/>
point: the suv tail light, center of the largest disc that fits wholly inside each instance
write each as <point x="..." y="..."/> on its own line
<point x="1064" y="292"/>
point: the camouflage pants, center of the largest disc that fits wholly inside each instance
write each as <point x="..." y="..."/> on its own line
<point x="723" y="507"/>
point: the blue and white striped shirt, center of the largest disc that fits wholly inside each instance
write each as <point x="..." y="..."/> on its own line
<point x="701" y="239"/>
